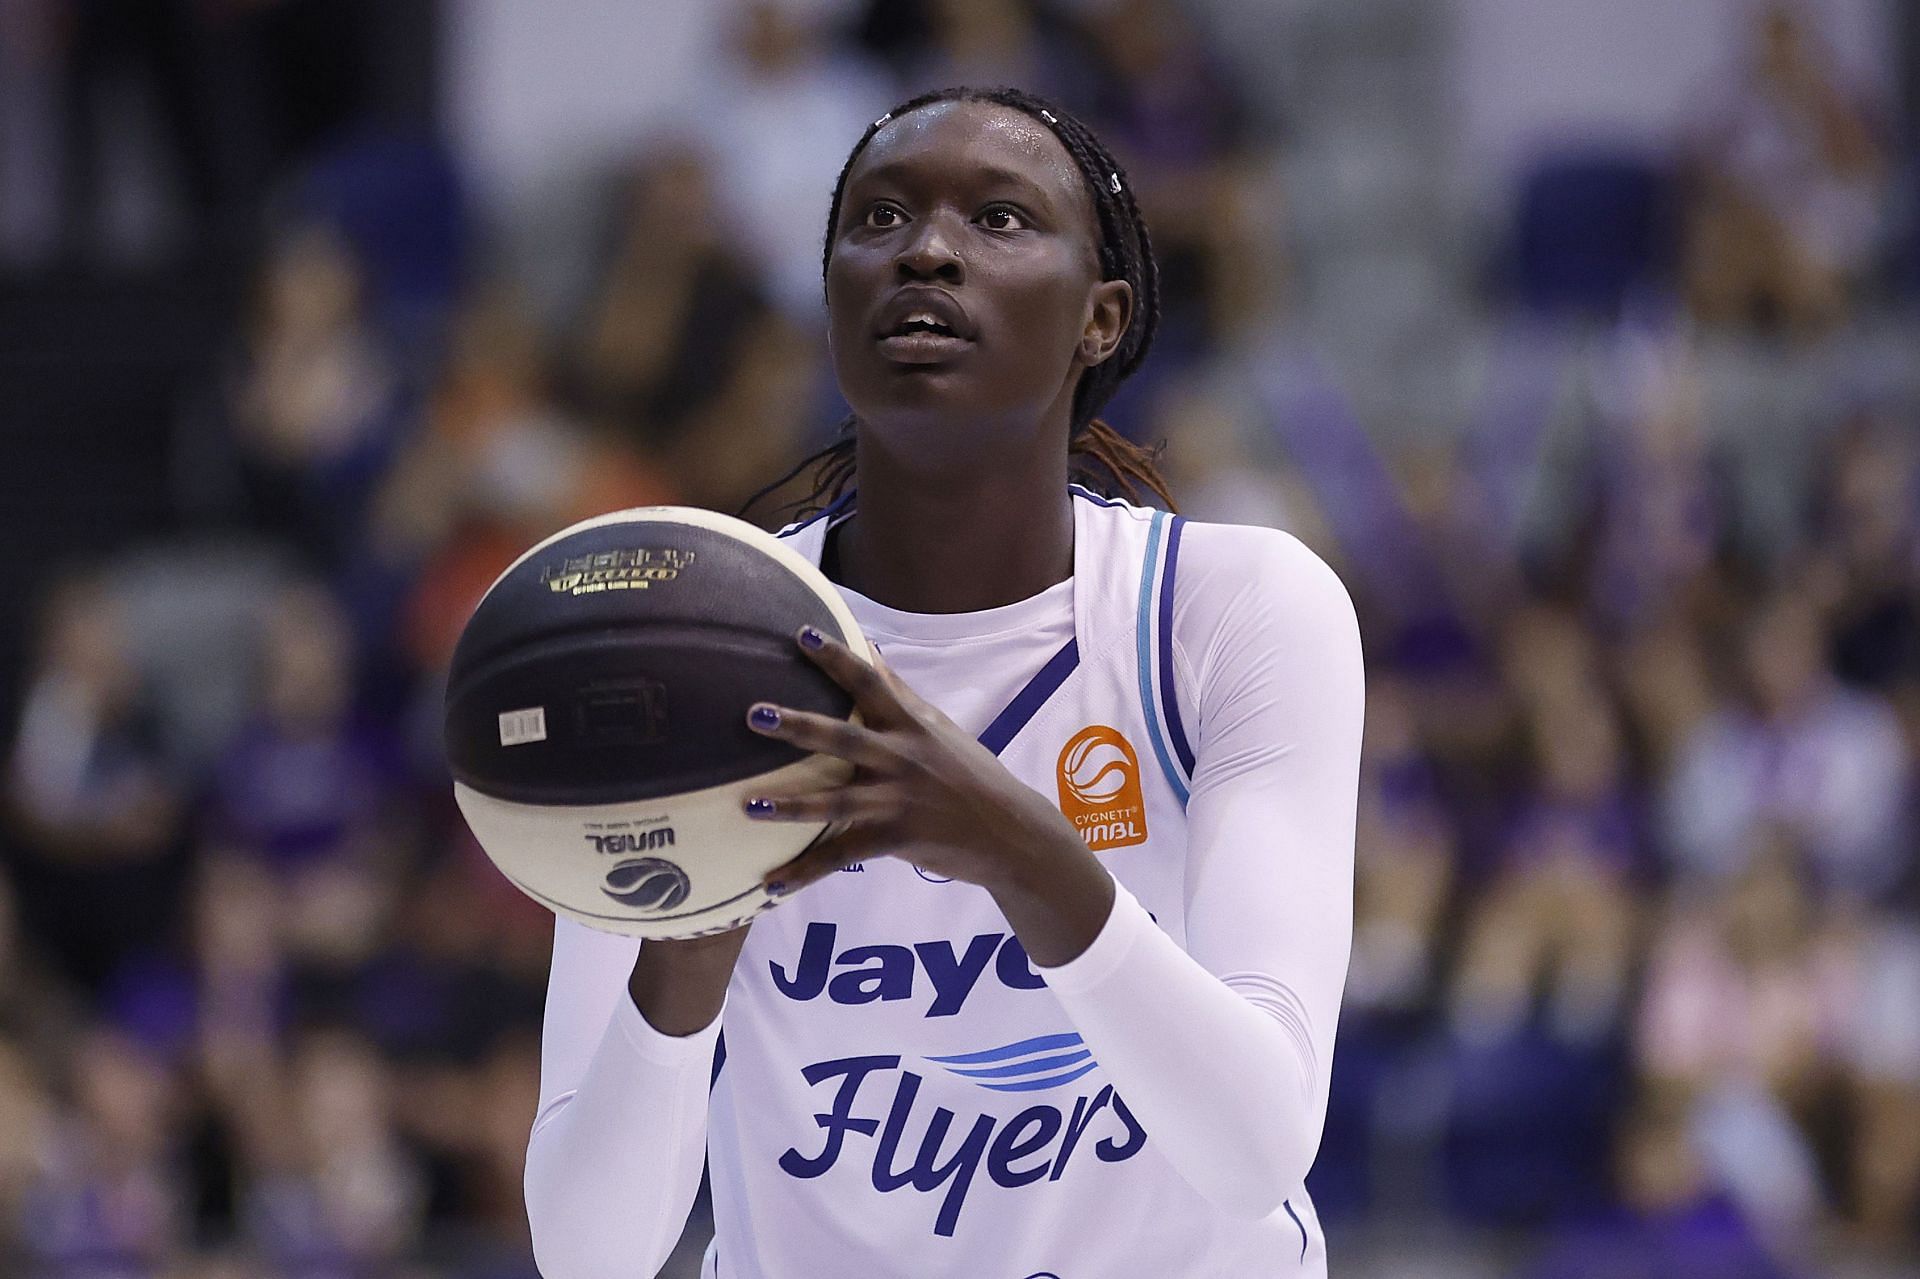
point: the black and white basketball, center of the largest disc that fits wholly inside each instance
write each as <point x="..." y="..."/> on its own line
<point x="596" y="717"/>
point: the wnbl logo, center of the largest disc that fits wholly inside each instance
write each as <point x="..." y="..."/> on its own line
<point x="1099" y="782"/>
<point x="639" y="841"/>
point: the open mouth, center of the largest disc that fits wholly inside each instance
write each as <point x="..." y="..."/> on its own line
<point x="923" y="326"/>
<point x="922" y="322"/>
<point x="922" y="338"/>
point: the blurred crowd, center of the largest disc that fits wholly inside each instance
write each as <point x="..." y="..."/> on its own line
<point x="1636" y="974"/>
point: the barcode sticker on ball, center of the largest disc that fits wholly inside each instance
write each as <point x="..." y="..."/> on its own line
<point x="517" y="728"/>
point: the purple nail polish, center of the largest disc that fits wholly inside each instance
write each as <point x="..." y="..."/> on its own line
<point x="810" y="637"/>
<point x="778" y="888"/>
<point x="764" y="717"/>
<point x="759" y="808"/>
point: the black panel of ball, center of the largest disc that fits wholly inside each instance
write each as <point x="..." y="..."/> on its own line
<point x="640" y="644"/>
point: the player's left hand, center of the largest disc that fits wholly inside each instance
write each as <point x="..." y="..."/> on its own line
<point x="922" y="790"/>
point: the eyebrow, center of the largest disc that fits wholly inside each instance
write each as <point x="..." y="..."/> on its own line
<point x="992" y="174"/>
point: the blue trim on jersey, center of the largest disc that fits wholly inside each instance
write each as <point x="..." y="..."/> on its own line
<point x="1027" y="702"/>
<point x="1288" y="1205"/>
<point x="833" y="508"/>
<point x="1167" y="700"/>
<point x="1094" y="497"/>
<point x="1041" y="1043"/>
<point x="719" y="1060"/>
<point x="1143" y="644"/>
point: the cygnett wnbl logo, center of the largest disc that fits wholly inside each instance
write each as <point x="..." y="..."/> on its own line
<point x="1098" y="779"/>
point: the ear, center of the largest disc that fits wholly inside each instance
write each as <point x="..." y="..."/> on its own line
<point x="1109" y="312"/>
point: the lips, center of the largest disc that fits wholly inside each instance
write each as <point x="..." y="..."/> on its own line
<point x="923" y="326"/>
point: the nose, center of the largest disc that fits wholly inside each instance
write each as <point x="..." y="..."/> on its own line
<point x="931" y="253"/>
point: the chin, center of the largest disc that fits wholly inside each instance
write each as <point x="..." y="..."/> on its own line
<point x="938" y="425"/>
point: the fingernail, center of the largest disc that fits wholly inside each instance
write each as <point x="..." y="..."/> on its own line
<point x="810" y="637"/>
<point x="759" y="808"/>
<point x="764" y="717"/>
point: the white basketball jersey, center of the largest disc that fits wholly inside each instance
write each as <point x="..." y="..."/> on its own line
<point x="898" y="1093"/>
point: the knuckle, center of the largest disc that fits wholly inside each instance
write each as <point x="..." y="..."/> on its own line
<point x="920" y="758"/>
<point x="865" y="678"/>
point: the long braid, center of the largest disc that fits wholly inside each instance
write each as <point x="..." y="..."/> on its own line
<point x="1108" y="462"/>
<point x="1099" y="457"/>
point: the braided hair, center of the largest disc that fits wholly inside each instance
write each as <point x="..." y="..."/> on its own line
<point x="1098" y="456"/>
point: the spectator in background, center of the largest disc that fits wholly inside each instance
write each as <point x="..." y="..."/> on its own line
<point x="160" y="50"/>
<point x="1557" y="921"/>
<point x="92" y="811"/>
<point x="679" y="349"/>
<point x="1883" y="1064"/>
<point x="499" y="465"/>
<point x="310" y="792"/>
<point x="26" y="1133"/>
<point x="1673" y="1219"/>
<point x="1788" y="176"/>
<point x="929" y="43"/>
<point x="673" y="304"/>
<point x="1743" y="1019"/>
<point x="1407" y="857"/>
<point x="771" y="121"/>
<point x="308" y="783"/>
<point x="1666" y="693"/>
<point x="1868" y="550"/>
<point x="30" y="1033"/>
<point x="111" y="1200"/>
<point x="1662" y="514"/>
<point x="331" y="1190"/>
<point x="1826" y="763"/>
<point x="1181" y="126"/>
<point x="318" y="407"/>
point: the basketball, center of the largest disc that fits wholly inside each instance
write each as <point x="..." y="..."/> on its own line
<point x="596" y="717"/>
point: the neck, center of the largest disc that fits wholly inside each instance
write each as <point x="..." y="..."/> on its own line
<point x="991" y="534"/>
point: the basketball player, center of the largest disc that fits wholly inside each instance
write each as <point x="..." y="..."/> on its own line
<point x="1057" y="993"/>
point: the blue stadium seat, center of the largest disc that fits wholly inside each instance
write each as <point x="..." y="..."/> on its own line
<point x="1590" y="231"/>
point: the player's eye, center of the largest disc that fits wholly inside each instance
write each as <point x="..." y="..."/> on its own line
<point x="882" y="216"/>
<point x="1003" y="217"/>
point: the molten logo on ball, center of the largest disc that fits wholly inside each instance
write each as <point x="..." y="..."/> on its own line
<point x="1099" y="782"/>
<point x="649" y="883"/>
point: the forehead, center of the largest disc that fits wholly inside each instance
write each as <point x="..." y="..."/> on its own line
<point x="959" y="139"/>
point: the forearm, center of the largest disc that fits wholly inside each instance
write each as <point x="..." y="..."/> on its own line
<point x="680" y="986"/>
<point x="614" y="1161"/>
<point x="612" y="1169"/>
<point x="1056" y="897"/>
<point x="1225" y="1080"/>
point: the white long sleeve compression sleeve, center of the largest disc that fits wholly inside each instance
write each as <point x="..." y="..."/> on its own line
<point x="1224" y="1049"/>
<point x="620" y="1137"/>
